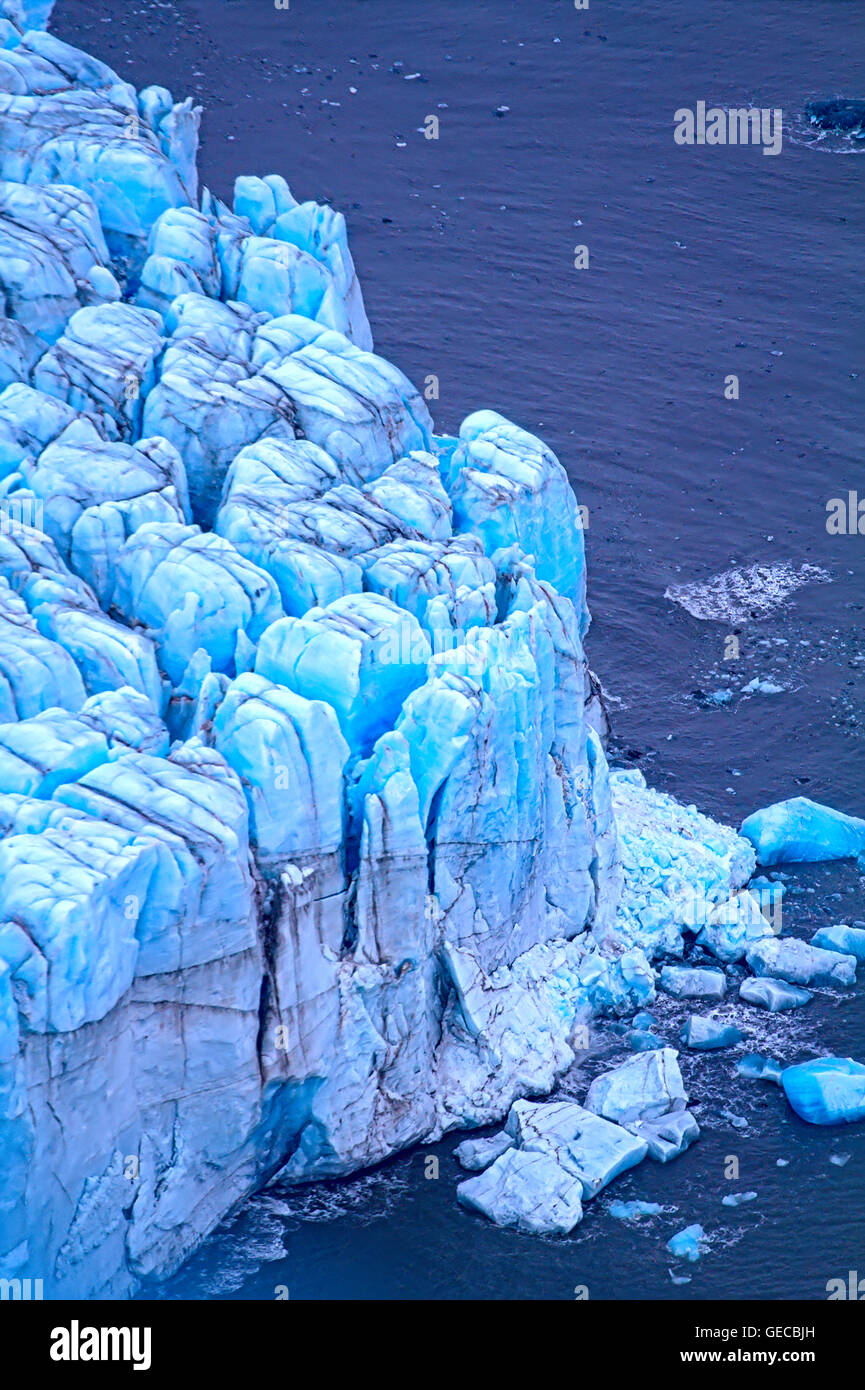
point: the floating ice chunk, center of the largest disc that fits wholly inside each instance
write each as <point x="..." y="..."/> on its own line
<point x="849" y="941"/>
<point x="800" y="964"/>
<point x="760" y="686"/>
<point x="526" y="1189"/>
<point x="688" y="1244"/>
<point x="632" y="1211"/>
<point x="685" y="982"/>
<point x="361" y="654"/>
<point x="736" y="1199"/>
<point x="669" y="1136"/>
<point x="643" y="1088"/>
<point x="733" y="926"/>
<point x="588" y="1147"/>
<point x="803" y="831"/>
<point x="773" y="995"/>
<point x="475" y="1154"/>
<point x="827" y="1091"/>
<point x="190" y="589"/>
<point x="641" y="1041"/>
<point x="758" y="1068"/>
<point x="840" y="1160"/>
<point x="643" y="1020"/>
<point x="703" y="1034"/>
<point x="739" y="595"/>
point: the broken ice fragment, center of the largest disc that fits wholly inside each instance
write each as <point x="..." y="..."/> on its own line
<point x="803" y="831"/>
<point x="826" y="1091"/>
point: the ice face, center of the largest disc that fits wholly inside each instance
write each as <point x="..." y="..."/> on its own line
<point x="308" y="843"/>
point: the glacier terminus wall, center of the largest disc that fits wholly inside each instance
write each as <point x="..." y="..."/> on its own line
<point x="308" y="842"/>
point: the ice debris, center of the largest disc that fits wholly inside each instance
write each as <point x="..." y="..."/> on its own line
<point x="703" y="1034"/>
<point x="688" y="1244"/>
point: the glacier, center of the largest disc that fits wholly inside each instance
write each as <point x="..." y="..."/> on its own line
<point x="309" y="847"/>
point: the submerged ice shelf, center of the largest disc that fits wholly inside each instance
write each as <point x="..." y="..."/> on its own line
<point x="309" y="849"/>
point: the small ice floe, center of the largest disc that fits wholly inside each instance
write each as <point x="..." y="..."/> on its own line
<point x="801" y="831"/>
<point x="632" y="1211"/>
<point x="840" y="1160"/>
<point x="826" y="1091"/>
<point x="787" y="958"/>
<point x="685" y="982"/>
<point x="679" y="1278"/>
<point x="760" y="686"/>
<point x="738" y="595"/>
<point x="688" y="1244"/>
<point x="475" y="1154"/>
<point x="774" y="995"/>
<point x="849" y="941"/>
<point x="735" y="1199"/>
<point x="758" y="1068"/>
<point x="737" y="1121"/>
<point x="642" y="1041"/>
<point x="704" y="1034"/>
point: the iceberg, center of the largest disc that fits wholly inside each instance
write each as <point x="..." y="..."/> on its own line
<point x="644" y="1088"/>
<point x="688" y="1244"/>
<point x="800" y="964"/>
<point x="703" y="1034"/>
<point x="758" y="1068"/>
<point x="803" y="831"/>
<point x="847" y="941"/>
<point x="773" y="995"/>
<point x="526" y="1189"/>
<point x="827" y="1091"/>
<point x="685" y="982"/>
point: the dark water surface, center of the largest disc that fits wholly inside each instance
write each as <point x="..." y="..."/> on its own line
<point x="703" y="262"/>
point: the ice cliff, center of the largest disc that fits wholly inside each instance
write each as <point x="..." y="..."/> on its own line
<point x="309" y="846"/>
